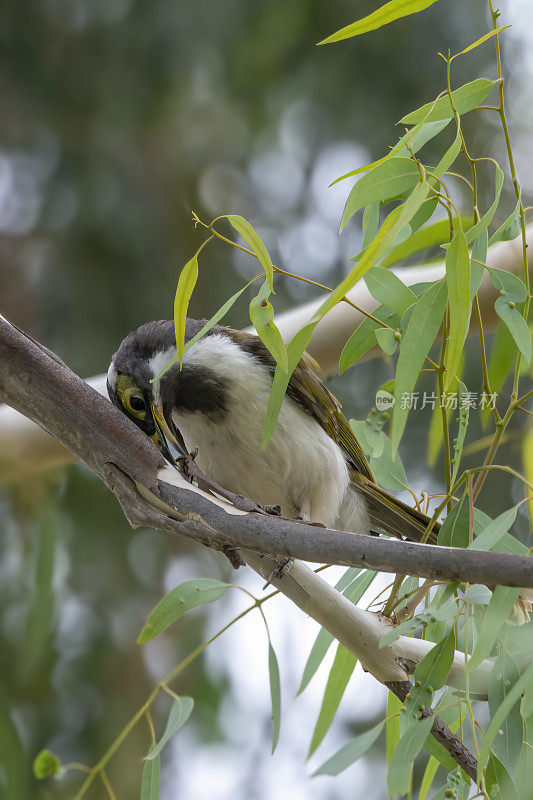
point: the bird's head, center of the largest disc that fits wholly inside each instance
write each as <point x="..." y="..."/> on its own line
<point x="130" y="380"/>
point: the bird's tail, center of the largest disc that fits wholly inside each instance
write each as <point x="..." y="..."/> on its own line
<point x="390" y="516"/>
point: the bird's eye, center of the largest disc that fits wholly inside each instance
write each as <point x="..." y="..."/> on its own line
<point x="134" y="403"/>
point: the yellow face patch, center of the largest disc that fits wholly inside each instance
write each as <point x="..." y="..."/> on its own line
<point x="131" y="397"/>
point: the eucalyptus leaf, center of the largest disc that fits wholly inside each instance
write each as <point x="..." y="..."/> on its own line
<point x="388" y="469"/>
<point x="386" y="234"/>
<point x="430" y="675"/>
<point x="482" y="39"/>
<point x="389" y="290"/>
<point x="498" y="610"/>
<point x="509" y="229"/>
<point x="245" y="229"/>
<point x="487" y="218"/>
<point x="348" y="754"/>
<point x="508" y="741"/>
<point x="513" y="287"/>
<point x="455" y="528"/>
<point x="179" y="714"/>
<point x="391" y="11"/>
<point x="384" y="182"/>
<point x="436" y="234"/>
<point x="465" y="99"/>
<point x="275" y="694"/>
<point x="495" y="530"/>
<point x="370" y="222"/>
<point x="497" y="718"/>
<point x="449" y="156"/>
<point x="179" y="600"/>
<point x="364" y="337"/>
<point x="186" y="283"/>
<point x="262" y="318"/>
<point x="410" y="142"/>
<point x="498" y="782"/>
<point x="387" y="340"/>
<point x="420" y="334"/>
<point x="150" y="779"/>
<point x="405" y="753"/>
<point x="340" y="673"/>
<point x="516" y="325"/>
<point x="477" y="270"/>
<point x="458" y="282"/>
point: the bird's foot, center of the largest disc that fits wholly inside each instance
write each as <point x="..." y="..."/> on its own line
<point x="233" y="556"/>
<point x="281" y="569"/>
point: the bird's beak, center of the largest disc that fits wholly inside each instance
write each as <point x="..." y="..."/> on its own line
<point x="164" y="434"/>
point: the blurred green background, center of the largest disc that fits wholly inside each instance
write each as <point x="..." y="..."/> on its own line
<point x="118" y="118"/>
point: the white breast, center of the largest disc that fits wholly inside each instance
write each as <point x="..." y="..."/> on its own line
<point x="301" y="469"/>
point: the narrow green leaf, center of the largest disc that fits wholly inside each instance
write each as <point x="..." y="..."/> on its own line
<point x="391" y="11"/>
<point x="420" y="334"/>
<point x="371" y="440"/>
<point x="516" y="325"/>
<point x="180" y="712"/>
<point x="390" y="228"/>
<point x="394" y="707"/>
<point x="507" y="283"/>
<point x="509" y="229"/>
<point x="364" y="337"/>
<point x="498" y="610"/>
<point x="508" y="741"/>
<point x="340" y="673"/>
<point x="495" y="530"/>
<point x="477" y="270"/>
<point x="484" y="38"/>
<point x="458" y="281"/>
<point x="465" y="99"/>
<point x="248" y="233"/>
<point x="388" y="468"/>
<point x="348" y="754"/>
<point x="416" y="138"/>
<point x="181" y="599"/>
<point x="488" y="216"/>
<point x="502" y="357"/>
<point x="441" y="755"/>
<point x="402" y="759"/>
<point x="435" y="234"/>
<point x="497" y="718"/>
<point x="275" y="694"/>
<point x="387" y="340"/>
<point x="281" y="378"/>
<point x="449" y="157"/>
<point x="150" y="779"/>
<point x="498" y="782"/>
<point x="388" y="180"/>
<point x="464" y="416"/>
<point x="262" y="318"/>
<point x="215" y="319"/>
<point x="386" y="234"/>
<point x="389" y="289"/>
<point x="370" y="222"/>
<point x="524" y="772"/>
<point x="430" y="675"/>
<point x="186" y="283"/>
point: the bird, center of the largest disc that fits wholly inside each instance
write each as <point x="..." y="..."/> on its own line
<point x="215" y="402"/>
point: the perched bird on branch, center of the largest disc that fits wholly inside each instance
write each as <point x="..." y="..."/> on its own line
<point x="313" y="466"/>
